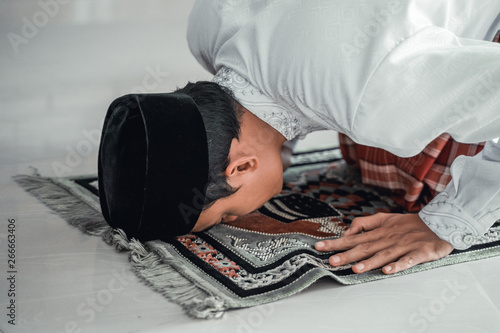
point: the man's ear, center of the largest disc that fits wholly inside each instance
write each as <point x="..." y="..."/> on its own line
<point x="242" y="165"/>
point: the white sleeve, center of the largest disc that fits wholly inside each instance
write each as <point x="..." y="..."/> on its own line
<point x="204" y="24"/>
<point x="434" y="82"/>
<point x="470" y="204"/>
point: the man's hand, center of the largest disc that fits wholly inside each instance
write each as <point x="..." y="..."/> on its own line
<point x="393" y="241"/>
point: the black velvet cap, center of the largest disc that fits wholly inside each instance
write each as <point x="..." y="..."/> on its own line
<point x="153" y="165"/>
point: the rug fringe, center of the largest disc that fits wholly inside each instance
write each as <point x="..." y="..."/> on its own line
<point x="72" y="209"/>
<point x="117" y="239"/>
<point x="157" y="272"/>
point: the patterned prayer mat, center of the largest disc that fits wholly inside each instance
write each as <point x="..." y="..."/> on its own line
<point x="311" y="160"/>
<point x="259" y="258"/>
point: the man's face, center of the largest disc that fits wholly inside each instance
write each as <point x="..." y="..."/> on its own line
<point x="255" y="169"/>
<point x="251" y="196"/>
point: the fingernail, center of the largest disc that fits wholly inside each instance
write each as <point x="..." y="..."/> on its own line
<point x="388" y="268"/>
<point x="335" y="259"/>
<point x="320" y="244"/>
<point x="360" y="267"/>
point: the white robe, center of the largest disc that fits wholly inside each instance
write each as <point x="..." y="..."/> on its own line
<point x="389" y="74"/>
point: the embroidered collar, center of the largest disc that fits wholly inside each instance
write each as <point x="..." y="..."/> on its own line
<point x="258" y="103"/>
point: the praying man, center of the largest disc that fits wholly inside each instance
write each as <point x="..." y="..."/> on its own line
<point x="412" y="86"/>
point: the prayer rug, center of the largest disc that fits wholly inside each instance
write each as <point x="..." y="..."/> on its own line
<point x="257" y="259"/>
<point x="311" y="160"/>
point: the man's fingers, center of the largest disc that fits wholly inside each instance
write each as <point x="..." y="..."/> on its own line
<point x="418" y="256"/>
<point x="394" y="242"/>
<point x="346" y="242"/>
<point x="409" y="260"/>
<point x="365" y="223"/>
<point x="351" y="236"/>
<point x="388" y="259"/>
<point x="359" y="252"/>
<point x="379" y="259"/>
<point x="392" y="259"/>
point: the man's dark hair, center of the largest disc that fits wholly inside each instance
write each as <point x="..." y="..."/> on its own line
<point x="221" y="115"/>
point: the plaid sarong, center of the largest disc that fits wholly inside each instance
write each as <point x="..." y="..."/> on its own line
<point x="413" y="181"/>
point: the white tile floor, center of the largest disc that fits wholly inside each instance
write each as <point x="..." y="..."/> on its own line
<point x="61" y="64"/>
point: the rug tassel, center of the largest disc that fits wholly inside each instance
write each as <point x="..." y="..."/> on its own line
<point x="160" y="274"/>
<point x="117" y="239"/>
<point x="70" y="208"/>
